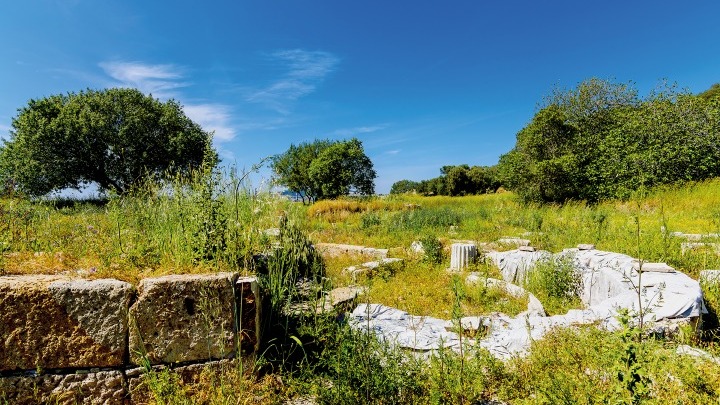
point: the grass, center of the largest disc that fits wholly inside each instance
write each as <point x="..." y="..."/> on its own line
<point x="216" y="223"/>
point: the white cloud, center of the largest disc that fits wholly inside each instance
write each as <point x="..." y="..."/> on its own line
<point x="306" y="70"/>
<point x="159" y="80"/>
<point x="5" y="132"/>
<point x="164" y="81"/>
<point x="212" y="117"/>
<point x="360" y="130"/>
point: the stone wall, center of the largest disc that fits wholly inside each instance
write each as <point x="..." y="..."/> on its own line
<point x="66" y="340"/>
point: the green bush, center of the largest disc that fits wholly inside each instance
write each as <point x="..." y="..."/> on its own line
<point x="556" y="283"/>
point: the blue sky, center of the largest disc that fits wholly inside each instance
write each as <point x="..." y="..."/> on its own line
<point x="423" y="84"/>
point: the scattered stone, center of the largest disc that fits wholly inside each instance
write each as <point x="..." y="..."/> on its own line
<point x="368" y="267"/>
<point x="686" y="350"/>
<point x="526" y="248"/>
<point x="586" y="246"/>
<point x="653" y="267"/>
<point x="688" y="246"/>
<point x="344" y="295"/>
<point x="462" y="254"/>
<point x="694" y="236"/>
<point x="181" y="318"/>
<point x="103" y="387"/>
<point x="55" y="322"/>
<point x="514" y="241"/>
<point x="417" y="247"/>
<point x="336" y="249"/>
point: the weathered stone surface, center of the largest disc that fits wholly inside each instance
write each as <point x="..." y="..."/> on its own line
<point x="337" y="249"/>
<point x="181" y="318"/>
<point x="526" y="248"/>
<point x="586" y="246"/>
<point x="462" y="254"/>
<point x="514" y="241"/>
<point x="247" y="308"/>
<point x="53" y="322"/>
<point x="653" y="267"/>
<point x="101" y="388"/>
<point x="139" y="383"/>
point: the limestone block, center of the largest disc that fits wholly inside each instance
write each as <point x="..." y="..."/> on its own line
<point x="514" y="241"/>
<point x="461" y="255"/>
<point x="653" y="267"/>
<point x="51" y="322"/>
<point x="138" y="381"/>
<point x="180" y="318"/>
<point x="101" y="388"/>
<point x="586" y="246"/>
<point x="526" y="248"/>
<point x="247" y="294"/>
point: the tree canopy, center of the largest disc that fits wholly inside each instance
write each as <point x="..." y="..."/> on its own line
<point x="601" y="141"/>
<point x="325" y="169"/>
<point x="111" y="137"/>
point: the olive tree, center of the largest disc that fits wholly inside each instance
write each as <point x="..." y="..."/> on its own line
<point x="325" y="169"/>
<point x="113" y="138"/>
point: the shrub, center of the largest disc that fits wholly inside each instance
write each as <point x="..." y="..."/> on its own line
<point x="556" y="283"/>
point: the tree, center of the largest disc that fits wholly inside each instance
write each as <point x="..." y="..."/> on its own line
<point x="112" y="137"/>
<point x="325" y="169"/>
<point x="292" y="168"/>
<point x="404" y="186"/>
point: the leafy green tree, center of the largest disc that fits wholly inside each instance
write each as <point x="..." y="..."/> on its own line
<point x="325" y="170"/>
<point x="292" y="168"/>
<point x="111" y="137"/>
<point x="404" y="186"/>
<point x="712" y="92"/>
<point x="601" y="141"/>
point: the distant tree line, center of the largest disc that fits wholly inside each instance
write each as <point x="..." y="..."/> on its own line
<point x="453" y="181"/>
<point x="595" y="142"/>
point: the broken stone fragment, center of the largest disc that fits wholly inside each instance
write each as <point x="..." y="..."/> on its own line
<point x="586" y="246"/>
<point x="462" y="254"/>
<point x="514" y="241"/>
<point x="52" y="322"/>
<point x="653" y="267"/>
<point x="526" y="248"/>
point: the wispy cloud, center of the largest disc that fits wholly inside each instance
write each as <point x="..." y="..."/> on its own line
<point x="212" y="117"/>
<point x="360" y="130"/>
<point x="305" y="71"/>
<point x="5" y="132"/>
<point x="159" y="80"/>
<point x="165" y="81"/>
<point x="392" y="152"/>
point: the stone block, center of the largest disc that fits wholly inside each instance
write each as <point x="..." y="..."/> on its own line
<point x="247" y="309"/>
<point x="101" y="388"/>
<point x="586" y="246"/>
<point x="180" y="318"/>
<point x="52" y="322"/>
<point x="514" y="241"/>
<point x="139" y="380"/>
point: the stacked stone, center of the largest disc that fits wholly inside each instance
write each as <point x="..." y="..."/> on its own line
<point x="77" y="341"/>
